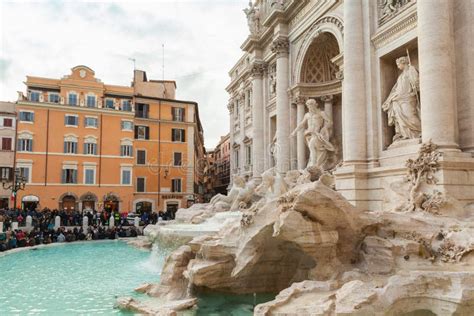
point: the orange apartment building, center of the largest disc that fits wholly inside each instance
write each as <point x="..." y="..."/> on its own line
<point x="83" y="144"/>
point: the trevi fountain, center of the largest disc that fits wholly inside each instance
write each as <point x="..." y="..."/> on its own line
<point x="359" y="197"/>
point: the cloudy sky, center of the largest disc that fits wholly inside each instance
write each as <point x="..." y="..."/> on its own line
<point x="202" y="41"/>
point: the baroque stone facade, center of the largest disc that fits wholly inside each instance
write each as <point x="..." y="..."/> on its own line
<point x="387" y="76"/>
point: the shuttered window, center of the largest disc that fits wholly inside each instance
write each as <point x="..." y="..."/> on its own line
<point x="176" y="185"/>
<point x="69" y="176"/>
<point x="140" y="184"/>
<point x="178" y="135"/>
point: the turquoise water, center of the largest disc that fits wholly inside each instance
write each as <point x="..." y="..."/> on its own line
<point x="73" y="279"/>
<point x="86" y="278"/>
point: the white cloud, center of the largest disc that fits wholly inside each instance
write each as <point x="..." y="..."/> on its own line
<point x="202" y="42"/>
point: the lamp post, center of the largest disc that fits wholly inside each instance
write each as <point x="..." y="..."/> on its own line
<point x="18" y="183"/>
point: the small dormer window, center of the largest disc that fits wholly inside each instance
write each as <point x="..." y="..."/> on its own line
<point x="34" y="96"/>
<point x="126" y="105"/>
<point x="72" y="98"/>
<point x="109" y="104"/>
<point x="91" y="101"/>
<point x="53" y="97"/>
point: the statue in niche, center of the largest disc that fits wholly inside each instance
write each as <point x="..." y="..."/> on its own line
<point x="274" y="150"/>
<point x="402" y="105"/>
<point x="317" y="134"/>
<point x="272" y="81"/>
<point x="253" y="18"/>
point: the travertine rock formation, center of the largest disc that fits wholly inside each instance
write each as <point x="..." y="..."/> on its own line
<point x="327" y="257"/>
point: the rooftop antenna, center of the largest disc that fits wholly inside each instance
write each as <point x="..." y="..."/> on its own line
<point x="134" y="63"/>
<point x="163" y="61"/>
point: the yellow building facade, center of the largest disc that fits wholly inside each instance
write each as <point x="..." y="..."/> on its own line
<point x="83" y="144"/>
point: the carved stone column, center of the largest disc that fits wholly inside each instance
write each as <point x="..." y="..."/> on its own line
<point x="300" y="142"/>
<point x="230" y="107"/>
<point x="258" y="148"/>
<point x="293" y="141"/>
<point x="354" y="101"/>
<point x="327" y="100"/>
<point x="280" y="47"/>
<point x="435" y="48"/>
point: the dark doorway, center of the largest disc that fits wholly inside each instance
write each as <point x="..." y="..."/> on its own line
<point x="171" y="209"/>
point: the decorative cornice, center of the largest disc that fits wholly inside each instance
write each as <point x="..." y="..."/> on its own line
<point x="327" y="98"/>
<point x="391" y="32"/>
<point x="257" y="69"/>
<point x="300" y="100"/>
<point x="281" y="46"/>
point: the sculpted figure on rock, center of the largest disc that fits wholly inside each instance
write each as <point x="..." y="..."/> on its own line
<point x="402" y="105"/>
<point x="237" y="186"/>
<point x="317" y="134"/>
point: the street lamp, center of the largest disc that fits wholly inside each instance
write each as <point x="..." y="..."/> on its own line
<point x="18" y="183"/>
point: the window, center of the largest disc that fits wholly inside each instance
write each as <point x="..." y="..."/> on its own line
<point x="34" y="96"/>
<point x="141" y="157"/>
<point x="72" y="99"/>
<point x="127" y="125"/>
<point x="90" y="122"/>
<point x="53" y="97"/>
<point x="177" y="159"/>
<point x="70" y="147"/>
<point x="25" y="144"/>
<point x="140" y="184"/>
<point x="126" y="150"/>
<point x="178" y="135"/>
<point x="248" y="155"/>
<point x="71" y="120"/>
<point x="178" y="114"/>
<point x="6" y="143"/>
<point x="89" y="176"/>
<point x="25" y="173"/>
<point x="236" y="158"/>
<point x="126" y="177"/>
<point x="7" y="122"/>
<point x="109" y="104"/>
<point x="90" y="101"/>
<point x="90" y="148"/>
<point x="141" y="110"/>
<point x="142" y="132"/>
<point x="27" y="116"/>
<point x="176" y="185"/>
<point x="6" y="173"/>
<point x="69" y="176"/>
<point x="126" y="105"/>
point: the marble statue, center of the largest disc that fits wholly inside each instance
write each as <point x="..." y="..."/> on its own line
<point x="317" y="134"/>
<point x="244" y="196"/>
<point x="253" y="18"/>
<point x="402" y="105"/>
<point x="237" y="185"/>
<point x="273" y="150"/>
<point x="272" y="185"/>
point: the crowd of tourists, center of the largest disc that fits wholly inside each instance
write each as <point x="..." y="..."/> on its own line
<point x="42" y="229"/>
<point x="47" y="217"/>
<point x="18" y="238"/>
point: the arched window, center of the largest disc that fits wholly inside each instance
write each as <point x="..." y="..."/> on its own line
<point x="126" y="147"/>
<point x="90" y="145"/>
<point x="25" y="141"/>
<point x="70" y="144"/>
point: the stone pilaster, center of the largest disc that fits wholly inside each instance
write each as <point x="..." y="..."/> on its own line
<point x="435" y="50"/>
<point x="354" y="101"/>
<point x="258" y="148"/>
<point x="281" y="48"/>
<point x="300" y="142"/>
<point x="230" y="107"/>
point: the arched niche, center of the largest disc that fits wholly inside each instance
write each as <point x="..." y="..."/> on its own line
<point x="329" y="25"/>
